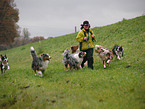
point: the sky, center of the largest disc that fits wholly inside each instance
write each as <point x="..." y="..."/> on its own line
<point x="52" y="18"/>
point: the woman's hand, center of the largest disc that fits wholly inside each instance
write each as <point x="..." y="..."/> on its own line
<point x="93" y="35"/>
<point x="85" y="38"/>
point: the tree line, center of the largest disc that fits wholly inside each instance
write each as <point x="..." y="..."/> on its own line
<point x="9" y="30"/>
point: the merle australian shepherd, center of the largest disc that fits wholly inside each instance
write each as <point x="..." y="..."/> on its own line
<point x="105" y="54"/>
<point x="118" y="51"/>
<point x="39" y="64"/>
<point x="74" y="60"/>
<point x="4" y="63"/>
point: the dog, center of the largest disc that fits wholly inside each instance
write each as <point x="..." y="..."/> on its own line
<point x="39" y="64"/>
<point x="118" y="51"/>
<point x="79" y="57"/>
<point x="4" y="63"/>
<point x="75" y="49"/>
<point x="74" y="60"/>
<point x="105" y="54"/>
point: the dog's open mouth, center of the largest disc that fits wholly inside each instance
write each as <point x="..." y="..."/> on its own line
<point x="97" y="51"/>
<point x="47" y="58"/>
<point x="84" y="54"/>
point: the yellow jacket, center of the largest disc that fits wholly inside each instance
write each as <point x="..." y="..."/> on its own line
<point x="84" y="45"/>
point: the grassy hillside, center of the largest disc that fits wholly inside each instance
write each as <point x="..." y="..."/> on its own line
<point x="121" y="86"/>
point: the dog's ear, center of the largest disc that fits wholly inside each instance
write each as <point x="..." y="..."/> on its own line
<point x="110" y="50"/>
<point x="102" y="50"/>
<point x="72" y="48"/>
<point x="108" y="54"/>
<point x="122" y="48"/>
<point x="1" y="56"/>
<point x="80" y="55"/>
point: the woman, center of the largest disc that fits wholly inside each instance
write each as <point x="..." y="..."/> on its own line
<point x="86" y="38"/>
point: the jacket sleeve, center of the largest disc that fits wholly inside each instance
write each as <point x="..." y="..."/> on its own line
<point x="80" y="37"/>
<point x="93" y="38"/>
<point x="93" y="34"/>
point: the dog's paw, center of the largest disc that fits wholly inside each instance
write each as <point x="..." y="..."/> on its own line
<point x="108" y="61"/>
<point x="39" y="72"/>
<point x="66" y="69"/>
<point x="35" y="74"/>
<point x="118" y="57"/>
<point x="104" y="66"/>
<point x="85" y="64"/>
<point x="8" y="67"/>
<point x="41" y="75"/>
<point x="80" y="67"/>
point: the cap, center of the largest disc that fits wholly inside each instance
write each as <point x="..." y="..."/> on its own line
<point x="86" y="23"/>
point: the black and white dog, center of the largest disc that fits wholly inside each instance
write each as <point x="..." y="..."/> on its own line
<point x="39" y="64"/>
<point x="4" y="63"/>
<point x="74" y="60"/>
<point x="118" y="51"/>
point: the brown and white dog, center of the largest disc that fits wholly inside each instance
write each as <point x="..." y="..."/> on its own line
<point x="75" y="49"/>
<point x="105" y="54"/>
<point x="39" y="64"/>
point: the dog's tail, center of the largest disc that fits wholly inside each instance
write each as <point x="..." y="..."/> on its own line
<point x="33" y="53"/>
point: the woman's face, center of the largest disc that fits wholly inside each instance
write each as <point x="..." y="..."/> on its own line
<point x="86" y="26"/>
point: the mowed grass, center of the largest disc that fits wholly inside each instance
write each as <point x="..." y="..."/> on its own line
<point x="120" y="86"/>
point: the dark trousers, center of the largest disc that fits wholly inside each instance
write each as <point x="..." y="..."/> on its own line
<point x="88" y="57"/>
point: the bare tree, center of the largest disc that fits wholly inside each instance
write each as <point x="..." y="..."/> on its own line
<point x="26" y="33"/>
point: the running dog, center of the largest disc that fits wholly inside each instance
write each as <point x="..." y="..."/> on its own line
<point x="118" y="51"/>
<point x="105" y="54"/>
<point x="39" y="64"/>
<point x="4" y="63"/>
<point x="74" y="60"/>
<point x="75" y="49"/>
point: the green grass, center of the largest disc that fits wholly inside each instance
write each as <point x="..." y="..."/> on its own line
<point x="121" y="86"/>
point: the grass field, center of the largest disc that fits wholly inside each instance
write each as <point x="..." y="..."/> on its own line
<point x="120" y="86"/>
